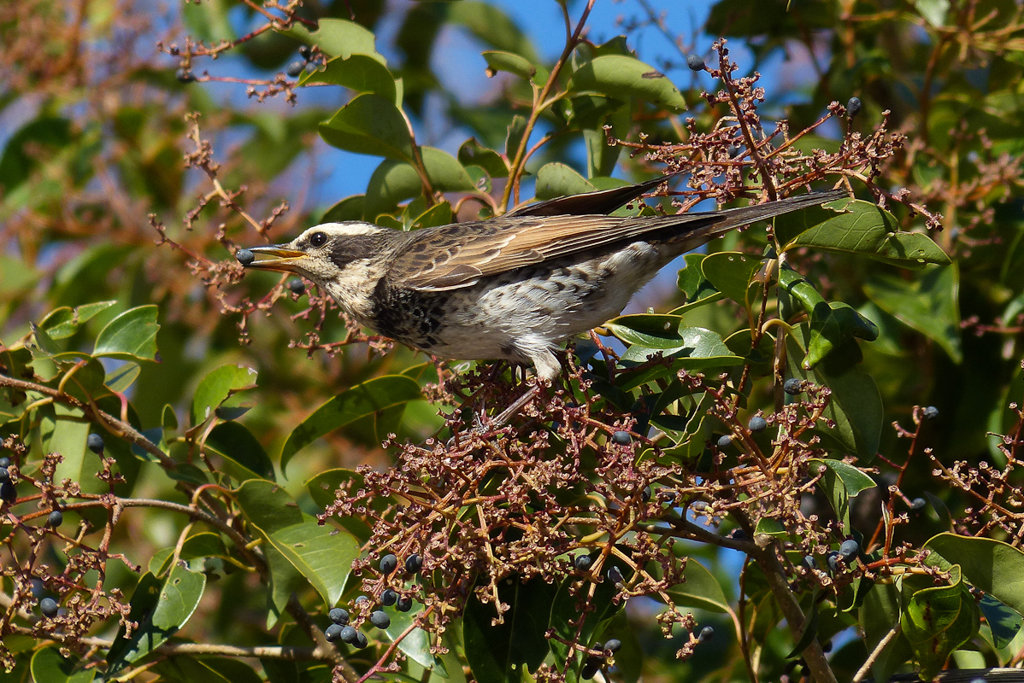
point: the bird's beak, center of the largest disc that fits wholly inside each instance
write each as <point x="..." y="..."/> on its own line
<point x="273" y="257"/>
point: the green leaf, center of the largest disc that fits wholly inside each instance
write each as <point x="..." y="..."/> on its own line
<point x="129" y="336"/>
<point x="514" y="136"/>
<point x="48" y="665"/>
<point x="855" y="405"/>
<point x="852" y="479"/>
<point x="18" y="276"/>
<point x="358" y="72"/>
<point x="217" y="387"/>
<point x="246" y="457"/>
<point x="322" y="554"/>
<point x="359" y="401"/>
<point x="160" y="608"/>
<point x="348" y="209"/>
<point x="565" y="616"/>
<point x="472" y="153"/>
<point x="496" y="652"/>
<point x="692" y="347"/>
<point x="697" y="288"/>
<point x="863" y="228"/>
<point x="558" y="180"/>
<point x="938" y="620"/>
<point x="1003" y="622"/>
<point x="268" y="506"/>
<point x="700" y="590"/>
<point x="933" y="11"/>
<point x="338" y="38"/>
<point x="990" y="565"/>
<point x="415" y="645"/>
<point x="928" y="304"/>
<point x="510" y="62"/>
<point x="67" y="435"/>
<point x="730" y="273"/>
<point x="395" y="181"/>
<point x="370" y="124"/>
<point x="618" y="75"/>
<point x="880" y="613"/>
<point x="203" y="544"/>
<point x="64" y="322"/>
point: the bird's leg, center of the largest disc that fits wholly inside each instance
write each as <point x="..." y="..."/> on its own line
<point x="504" y="416"/>
<point x="609" y="355"/>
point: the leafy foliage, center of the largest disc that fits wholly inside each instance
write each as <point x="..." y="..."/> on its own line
<point x="207" y="470"/>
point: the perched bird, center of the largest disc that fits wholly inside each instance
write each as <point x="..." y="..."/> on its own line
<point x="512" y="287"/>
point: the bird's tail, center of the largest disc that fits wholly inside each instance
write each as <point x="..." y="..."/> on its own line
<point x="701" y="227"/>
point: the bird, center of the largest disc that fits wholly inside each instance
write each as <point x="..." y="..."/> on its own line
<point x="513" y="287"/>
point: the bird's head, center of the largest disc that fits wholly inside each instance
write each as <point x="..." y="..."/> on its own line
<point x="339" y="257"/>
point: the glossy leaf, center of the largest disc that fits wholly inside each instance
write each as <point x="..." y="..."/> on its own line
<point x="510" y="62"/>
<point x="990" y="565"/>
<point x="730" y="272"/>
<point x="862" y="228"/>
<point x="692" y="347"/>
<point x="558" y="180"/>
<point x="246" y="457"/>
<point x="879" y="614"/>
<point x="359" y="401"/>
<point x="855" y="405"/>
<point x="1004" y="623"/>
<point x="928" y="304"/>
<point x="322" y="554"/>
<point x="496" y="651"/>
<point x="618" y="75"/>
<point x="64" y="322"/>
<point x="348" y="209"/>
<point x="50" y="666"/>
<point x="129" y="336"/>
<point x="394" y="181"/>
<point x="472" y="153"/>
<point x="203" y="544"/>
<point x="938" y="620"/>
<point x="853" y="480"/>
<point x="339" y="38"/>
<point x="700" y="590"/>
<point x="160" y="608"/>
<point x="416" y="644"/>
<point x="216" y="387"/>
<point x="358" y="72"/>
<point x="370" y="124"/>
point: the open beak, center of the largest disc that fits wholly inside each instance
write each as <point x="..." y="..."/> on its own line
<point x="273" y="257"/>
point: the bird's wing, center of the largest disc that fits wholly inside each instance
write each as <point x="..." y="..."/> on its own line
<point x="591" y="203"/>
<point x="459" y="255"/>
<point x="455" y="256"/>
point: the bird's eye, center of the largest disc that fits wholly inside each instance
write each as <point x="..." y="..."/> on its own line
<point x="318" y="239"/>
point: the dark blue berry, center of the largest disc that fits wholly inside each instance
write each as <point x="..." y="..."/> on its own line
<point x="590" y="667"/>
<point x="305" y="51"/>
<point x="583" y="562"/>
<point x="645" y="495"/>
<point x="4" y="474"/>
<point x="362" y="600"/>
<point x="5" y="462"/>
<point x="612" y="645"/>
<point x="931" y="412"/>
<point x="809" y="562"/>
<point x="918" y="504"/>
<point x="615" y="575"/>
<point x="388" y="564"/>
<point x="793" y="386"/>
<point x="622" y="438"/>
<point x="55" y="519"/>
<point x="295" y="69"/>
<point x="184" y="75"/>
<point x="724" y="442"/>
<point x="380" y="619"/>
<point x="388" y="597"/>
<point x="49" y="607"/>
<point x="8" y="493"/>
<point x="359" y="642"/>
<point x="245" y="256"/>
<point x="853" y="106"/>
<point x="757" y="424"/>
<point x="706" y="634"/>
<point x="849" y="549"/>
<point x="338" y="616"/>
<point x="738" y="534"/>
<point x="95" y="443"/>
<point x="404" y="604"/>
<point x="833" y="561"/>
<point x="333" y="632"/>
<point x="297" y="286"/>
<point x="348" y="634"/>
<point x="695" y="62"/>
<point x="413" y="564"/>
